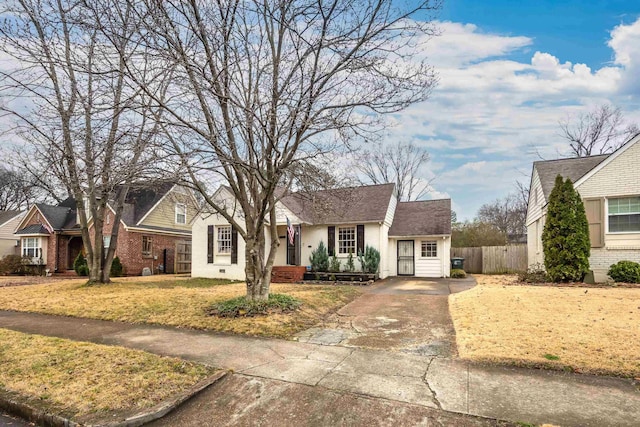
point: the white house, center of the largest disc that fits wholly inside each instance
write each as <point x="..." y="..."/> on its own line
<point x="610" y="188"/>
<point x="414" y="238"/>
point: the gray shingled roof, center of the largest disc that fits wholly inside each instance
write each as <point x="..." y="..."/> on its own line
<point x="423" y="218"/>
<point x="574" y="169"/>
<point x="139" y="201"/>
<point x="57" y="216"/>
<point x="368" y="203"/>
<point x="33" y="229"/>
<point x="7" y="215"/>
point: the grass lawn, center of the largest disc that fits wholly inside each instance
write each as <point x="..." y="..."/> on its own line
<point x="595" y="330"/>
<point x="175" y="302"/>
<point x="82" y="380"/>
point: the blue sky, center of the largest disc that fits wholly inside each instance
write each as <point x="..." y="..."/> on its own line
<point x="509" y="71"/>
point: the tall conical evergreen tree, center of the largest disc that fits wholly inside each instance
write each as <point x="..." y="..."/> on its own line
<point x="565" y="238"/>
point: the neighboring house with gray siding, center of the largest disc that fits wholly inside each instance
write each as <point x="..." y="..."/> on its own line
<point x="9" y="220"/>
<point x="413" y="238"/>
<point x="610" y="188"/>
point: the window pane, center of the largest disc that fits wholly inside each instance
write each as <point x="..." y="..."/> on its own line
<point x="429" y="249"/>
<point x="346" y="240"/>
<point x="224" y="239"/>
<point x="624" y="223"/>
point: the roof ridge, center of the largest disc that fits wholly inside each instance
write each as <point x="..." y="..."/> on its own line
<point x="572" y="158"/>
<point x="342" y="188"/>
<point x="425" y="201"/>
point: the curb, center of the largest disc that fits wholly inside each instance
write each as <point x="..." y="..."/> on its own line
<point x="41" y="417"/>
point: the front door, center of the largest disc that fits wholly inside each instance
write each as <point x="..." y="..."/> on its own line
<point x="74" y="247"/>
<point x="405" y="258"/>
<point x="293" y="251"/>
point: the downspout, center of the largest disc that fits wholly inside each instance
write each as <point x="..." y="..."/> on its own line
<point x="57" y="263"/>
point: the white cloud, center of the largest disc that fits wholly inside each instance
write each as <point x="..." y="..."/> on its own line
<point x="462" y="44"/>
<point x="500" y="114"/>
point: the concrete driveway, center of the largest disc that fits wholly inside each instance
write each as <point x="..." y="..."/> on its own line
<point x="401" y="314"/>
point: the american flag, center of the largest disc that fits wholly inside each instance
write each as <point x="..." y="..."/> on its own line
<point x="291" y="233"/>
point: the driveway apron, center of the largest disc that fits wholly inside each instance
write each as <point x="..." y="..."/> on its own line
<point x="401" y="314"/>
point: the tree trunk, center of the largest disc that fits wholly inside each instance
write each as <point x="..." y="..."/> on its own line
<point x="258" y="274"/>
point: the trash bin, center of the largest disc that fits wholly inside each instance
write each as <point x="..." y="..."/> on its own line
<point x="457" y="263"/>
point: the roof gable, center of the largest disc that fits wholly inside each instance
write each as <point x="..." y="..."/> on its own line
<point x="422" y="218"/>
<point x="573" y="169"/>
<point x="6" y="216"/>
<point x="619" y="152"/>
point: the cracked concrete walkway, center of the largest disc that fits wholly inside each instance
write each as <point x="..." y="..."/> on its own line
<point x="496" y="392"/>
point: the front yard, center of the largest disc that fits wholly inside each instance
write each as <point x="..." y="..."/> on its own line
<point x="589" y="330"/>
<point x="87" y="382"/>
<point x="175" y="302"/>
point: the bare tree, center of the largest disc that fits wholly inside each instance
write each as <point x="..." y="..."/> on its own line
<point x="16" y="192"/>
<point x="507" y="214"/>
<point x="399" y="163"/>
<point x="600" y="131"/>
<point x="258" y="86"/>
<point x="84" y="125"/>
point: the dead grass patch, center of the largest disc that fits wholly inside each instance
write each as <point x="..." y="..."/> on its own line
<point x="591" y="330"/>
<point x="81" y="380"/>
<point x="181" y="303"/>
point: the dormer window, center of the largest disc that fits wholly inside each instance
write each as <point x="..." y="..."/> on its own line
<point x="181" y="213"/>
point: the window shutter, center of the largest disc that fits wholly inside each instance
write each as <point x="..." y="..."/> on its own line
<point x="594" y="209"/>
<point x="360" y="240"/>
<point x="210" y="244"/>
<point x="331" y="241"/>
<point x="234" y="245"/>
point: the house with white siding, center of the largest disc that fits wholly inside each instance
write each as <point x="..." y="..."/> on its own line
<point x="609" y="185"/>
<point x="413" y="238"/>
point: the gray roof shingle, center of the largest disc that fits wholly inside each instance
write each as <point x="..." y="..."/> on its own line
<point x="367" y="203"/>
<point x="57" y="216"/>
<point x="422" y="218"/>
<point x="33" y="229"/>
<point x="7" y="215"/>
<point x="574" y="169"/>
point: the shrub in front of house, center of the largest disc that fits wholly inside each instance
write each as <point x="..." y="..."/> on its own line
<point x="350" y="266"/>
<point x="565" y="238"/>
<point x="334" y="265"/>
<point x="534" y="274"/>
<point x="370" y="260"/>
<point x="12" y="264"/>
<point x="319" y="258"/>
<point x="457" y="273"/>
<point x="80" y="265"/>
<point x="625" y="272"/>
<point x="116" y="268"/>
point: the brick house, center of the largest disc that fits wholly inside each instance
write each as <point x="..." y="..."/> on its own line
<point x="609" y="185"/>
<point x="154" y="232"/>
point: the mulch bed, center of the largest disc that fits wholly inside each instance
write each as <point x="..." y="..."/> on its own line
<point x="337" y="282"/>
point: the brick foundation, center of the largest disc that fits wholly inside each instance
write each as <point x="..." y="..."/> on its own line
<point x="287" y="274"/>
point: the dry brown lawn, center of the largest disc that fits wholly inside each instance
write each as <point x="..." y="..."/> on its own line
<point x="595" y="330"/>
<point x="175" y="302"/>
<point x="83" y="380"/>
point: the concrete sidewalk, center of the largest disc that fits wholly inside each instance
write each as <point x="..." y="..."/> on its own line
<point x="520" y="395"/>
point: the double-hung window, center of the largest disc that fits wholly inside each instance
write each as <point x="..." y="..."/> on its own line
<point x="31" y="247"/>
<point x="181" y="213"/>
<point x="147" y="246"/>
<point x="347" y="240"/>
<point x="224" y="239"/>
<point x="624" y="215"/>
<point x="429" y="249"/>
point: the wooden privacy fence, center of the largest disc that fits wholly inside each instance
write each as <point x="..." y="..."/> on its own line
<point x="493" y="259"/>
